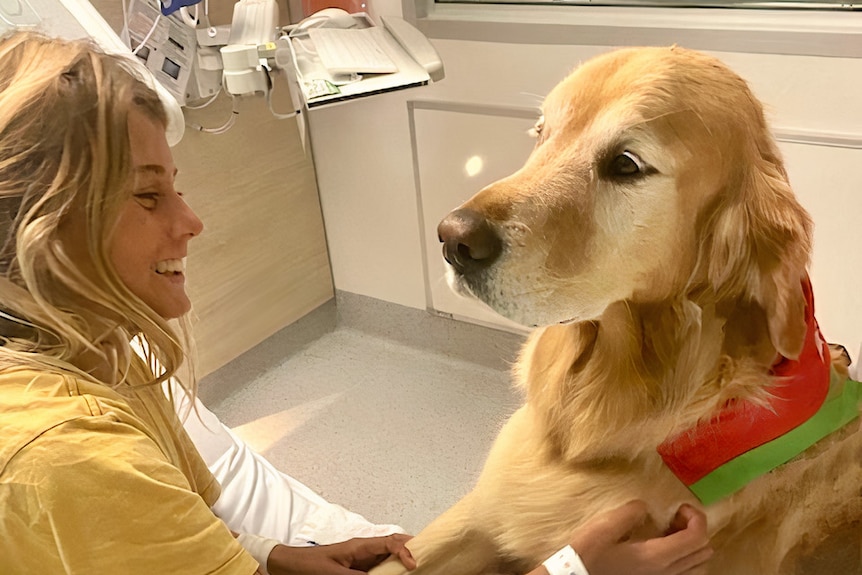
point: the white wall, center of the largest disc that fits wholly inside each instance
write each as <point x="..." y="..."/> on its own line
<point x="369" y="179"/>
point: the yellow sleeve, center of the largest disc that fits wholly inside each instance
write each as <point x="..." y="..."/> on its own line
<point x="95" y="496"/>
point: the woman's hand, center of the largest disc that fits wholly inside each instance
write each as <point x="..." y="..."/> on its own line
<point x="350" y="557"/>
<point x="607" y="546"/>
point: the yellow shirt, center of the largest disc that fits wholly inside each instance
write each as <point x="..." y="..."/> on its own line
<point x="96" y="481"/>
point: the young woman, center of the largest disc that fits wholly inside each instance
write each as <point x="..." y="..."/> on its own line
<point x="96" y="472"/>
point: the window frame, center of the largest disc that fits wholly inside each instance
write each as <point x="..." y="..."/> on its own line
<point x="827" y="33"/>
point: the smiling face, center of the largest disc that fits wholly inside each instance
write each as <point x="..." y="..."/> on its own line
<point x="150" y="238"/>
<point x="609" y="204"/>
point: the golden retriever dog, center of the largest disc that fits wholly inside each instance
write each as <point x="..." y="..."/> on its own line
<point x="653" y="240"/>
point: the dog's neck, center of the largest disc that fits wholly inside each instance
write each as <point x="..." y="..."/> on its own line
<point x="644" y="369"/>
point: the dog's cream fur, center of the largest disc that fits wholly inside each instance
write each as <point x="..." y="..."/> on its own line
<point x="653" y="237"/>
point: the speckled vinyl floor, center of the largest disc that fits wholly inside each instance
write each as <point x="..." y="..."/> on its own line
<point x="386" y="410"/>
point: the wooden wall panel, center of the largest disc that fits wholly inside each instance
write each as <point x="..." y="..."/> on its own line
<point x="261" y="262"/>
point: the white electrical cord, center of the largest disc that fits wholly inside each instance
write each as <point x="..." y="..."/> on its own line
<point x="205" y="104"/>
<point x="124" y="33"/>
<point x="148" y="35"/>
<point x="297" y="30"/>
<point x="224" y="127"/>
<point x="187" y="18"/>
<point x="191" y="21"/>
<point x="269" y="100"/>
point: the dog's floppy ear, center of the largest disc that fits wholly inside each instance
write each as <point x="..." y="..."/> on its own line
<point x="761" y="240"/>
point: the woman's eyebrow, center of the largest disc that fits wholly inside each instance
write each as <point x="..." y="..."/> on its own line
<point x="154" y="169"/>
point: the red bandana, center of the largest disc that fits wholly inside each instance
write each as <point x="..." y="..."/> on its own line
<point x="700" y="456"/>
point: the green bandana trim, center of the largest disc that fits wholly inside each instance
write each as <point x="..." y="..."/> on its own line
<point x="840" y="408"/>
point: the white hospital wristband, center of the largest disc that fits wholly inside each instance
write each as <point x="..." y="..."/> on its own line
<point x="258" y="547"/>
<point x="565" y="562"/>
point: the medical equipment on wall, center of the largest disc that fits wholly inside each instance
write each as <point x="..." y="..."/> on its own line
<point x="193" y="61"/>
<point x="252" y="32"/>
<point x="257" y="50"/>
<point x="167" y="46"/>
<point x="196" y="60"/>
<point x="74" y="19"/>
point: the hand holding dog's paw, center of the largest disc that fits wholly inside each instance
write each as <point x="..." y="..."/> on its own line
<point x="609" y="543"/>
<point x="350" y="557"/>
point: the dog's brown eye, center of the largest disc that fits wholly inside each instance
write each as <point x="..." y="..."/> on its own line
<point x="626" y="164"/>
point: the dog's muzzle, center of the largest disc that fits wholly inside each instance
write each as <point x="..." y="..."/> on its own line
<point x="469" y="241"/>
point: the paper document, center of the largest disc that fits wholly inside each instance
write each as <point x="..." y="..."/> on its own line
<point x="346" y="51"/>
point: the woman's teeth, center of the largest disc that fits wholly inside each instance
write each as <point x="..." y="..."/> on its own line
<point x="170" y="267"/>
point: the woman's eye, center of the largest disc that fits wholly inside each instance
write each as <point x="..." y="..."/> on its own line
<point x="626" y="164"/>
<point x="147" y="200"/>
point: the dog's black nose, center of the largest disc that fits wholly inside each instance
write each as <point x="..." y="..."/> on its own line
<point x="469" y="241"/>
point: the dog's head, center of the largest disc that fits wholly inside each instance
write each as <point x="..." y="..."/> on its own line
<point x="654" y="176"/>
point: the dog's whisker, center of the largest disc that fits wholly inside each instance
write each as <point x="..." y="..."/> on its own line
<point x="538" y="99"/>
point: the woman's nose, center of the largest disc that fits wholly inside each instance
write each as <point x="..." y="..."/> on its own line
<point x="188" y="223"/>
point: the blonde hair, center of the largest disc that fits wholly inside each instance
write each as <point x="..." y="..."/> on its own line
<point x="65" y="154"/>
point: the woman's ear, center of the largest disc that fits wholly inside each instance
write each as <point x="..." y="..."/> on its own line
<point x="760" y="250"/>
